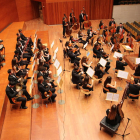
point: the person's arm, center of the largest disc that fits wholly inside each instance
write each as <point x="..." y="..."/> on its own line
<point x="109" y="85"/>
<point x="107" y="111"/>
<point x="10" y="94"/>
<point x="86" y="65"/>
<point x="90" y="86"/>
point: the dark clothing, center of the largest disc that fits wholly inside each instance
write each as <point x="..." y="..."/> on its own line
<point x="98" y="73"/>
<point x="110" y="90"/>
<point x="85" y="87"/>
<point x="81" y="20"/>
<point x="64" y="28"/>
<point x="90" y="36"/>
<point x="76" y="77"/>
<point x="137" y="72"/>
<point x="133" y="89"/>
<point x="110" y="23"/>
<point x="101" y="24"/>
<point x="115" y="121"/>
<point x="97" y="52"/>
<point x="120" y="65"/>
<point x="81" y="40"/>
<point x="118" y="29"/>
<point x="85" y="68"/>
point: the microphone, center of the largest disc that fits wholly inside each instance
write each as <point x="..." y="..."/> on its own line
<point x="128" y="119"/>
<point x="60" y="40"/>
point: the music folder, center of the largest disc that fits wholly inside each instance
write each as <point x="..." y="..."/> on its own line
<point x="102" y="62"/>
<point x="116" y="54"/>
<point x="122" y="74"/>
<point x="90" y="72"/>
<point x="59" y="70"/>
<point x="56" y="63"/>
<point x="137" y="61"/>
<point x="112" y="96"/>
<point x="52" y="44"/>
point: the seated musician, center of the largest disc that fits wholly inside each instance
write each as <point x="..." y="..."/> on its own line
<point x="77" y="76"/>
<point x="134" y="89"/>
<point x="120" y="65"/>
<point x="113" y="115"/>
<point x="45" y="88"/>
<point x="25" y="38"/>
<point x="112" y="22"/>
<point x="107" y="85"/>
<point x="13" y="95"/>
<point x="106" y="34"/>
<point x="80" y="36"/>
<point x="73" y="57"/>
<point x="115" y="42"/>
<point x="121" y="32"/>
<point x="84" y="63"/>
<point x="129" y="40"/>
<point x="90" y="34"/>
<point x="137" y="70"/>
<point x="101" y="25"/>
<point x="86" y="85"/>
<point x="99" y="72"/>
<point x="20" y="40"/>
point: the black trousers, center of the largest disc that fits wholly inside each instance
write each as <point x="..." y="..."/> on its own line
<point x="107" y="66"/>
<point x="82" y="41"/>
<point x="76" y="61"/>
<point x="81" y="24"/>
<point x="64" y="31"/>
<point x="53" y="97"/>
<point x="88" y="40"/>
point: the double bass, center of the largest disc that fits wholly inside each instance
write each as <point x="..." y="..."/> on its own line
<point x="68" y="29"/>
<point x="86" y="22"/>
<point x="74" y="22"/>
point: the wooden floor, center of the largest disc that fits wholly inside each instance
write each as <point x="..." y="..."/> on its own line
<point x="78" y="118"/>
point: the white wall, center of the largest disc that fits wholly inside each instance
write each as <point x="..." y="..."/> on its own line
<point x="126" y="13"/>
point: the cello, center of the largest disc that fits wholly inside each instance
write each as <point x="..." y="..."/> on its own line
<point x="86" y="22"/>
<point x="130" y="40"/>
<point x="116" y="45"/>
<point x="74" y="21"/>
<point x="68" y="29"/>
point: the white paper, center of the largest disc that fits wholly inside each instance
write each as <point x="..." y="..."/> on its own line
<point x="122" y="74"/>
<point x="33" y="66"/>
<point x="102" y="62"/>
<point x="85" y="45"/>
<point x="59" y="70"/>
<point x="88" y="53"/>
<point x="112" y="47"/>
<point x="52" y="44"/>
<point x="54" y="57"/>
<point x="128" y="47"/>
<point x="137" y="60"/>
<point x="90" y="72"/>
<point x="109" y="96"/>
<point x="58" y="80"/>
<point x="56" y="63"/>
<point x="115" y="97"/>
<point x="116" y="54"/>
<point x="56" y="50"/>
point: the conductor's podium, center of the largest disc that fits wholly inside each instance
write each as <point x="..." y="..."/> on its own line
<point x="108" y="127"/>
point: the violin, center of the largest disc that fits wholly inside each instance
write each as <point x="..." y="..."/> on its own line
<point x="86" y="22"/>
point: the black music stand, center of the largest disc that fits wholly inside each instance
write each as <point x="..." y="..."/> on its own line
<point x="123" y="135"/>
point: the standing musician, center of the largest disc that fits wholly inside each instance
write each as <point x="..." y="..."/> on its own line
<point x="106" y="35"/>
<point x="64" y="26"/>
<point x="121" y="32"/>
<point x="80" y="36"/>
<point x="90" y="34"/>
<point x="81" y="19"/>
<point x="129" y="40"/>
<point x="101" y="25"/>
<point x="112" y="23"/>
<point x="115" y="41"/>
<point x="120" y="65"/>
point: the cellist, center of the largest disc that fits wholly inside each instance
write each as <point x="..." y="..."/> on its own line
<point x="112" y="23"/>
<point x="106" y="34"/>
<point x="121" y="32"/>
<point x="129" y="40"/>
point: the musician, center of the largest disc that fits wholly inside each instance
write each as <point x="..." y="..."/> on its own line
<point x="77" y="76"/>
<point x="81" y="19"/>
<point x="129" y="40"/>
<point x="12" y="92"/>
<point x="107" y="85"/>
<point x="115" y="42"/>
<point x="90" y="34"/>
<point x="113" y="115"/>
<point x="45" y="88"/>
<point x="137" y="70"/>
<point x="86" y="85"/>
<point x="64" y="26"/>
<point x="80" y="36"/>
<point x="73" y="57"/>
<point x="133" y="89"/>
<point x="106" y="34"/>
<point x="120" y="65"/>
<point x="101" y="25"/>
<point x="120" y="31"/>
<point x="112" y="23"/>
<point x="84" y="63"/>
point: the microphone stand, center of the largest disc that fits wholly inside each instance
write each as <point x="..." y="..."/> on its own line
<point x="123" y="135"/>
<point x="61" y="41"/>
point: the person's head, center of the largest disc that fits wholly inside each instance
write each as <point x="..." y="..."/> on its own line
<point x="40" y="79"/>
<point x="101" y="21"/>
<point x="96" y="46"/>
<point x="67" y="43"/>
<point x="20" y="31"/>
<point x="120" y="24"/>
<point x="76" y="68"/>
<point x="9" y="71"/>
<point x="113" y="112"/>
<point x="98" y="39"/>
<point x="136" y="80"/>
<point x="42" y="68"/>
<point x="86" y="80"/>
<point x="105" y="27"/>
<point x="107" y="81"/>
<point x="98" y="66"/>
<point x="84" y="59"/>
<point x="16" y="52"/>
<point x="91" y="28"/>
<point x="39" y="40"/>
<point x="12" y="84"/>
<point x="71" y="37"/>
<point x="38" y="55"/>
<point x="18" y="34"/>
<point x="112" y="19"/>
<point x="120" y="58"/>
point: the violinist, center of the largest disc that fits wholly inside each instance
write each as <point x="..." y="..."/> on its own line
<point x="74" y="46"/>
<point x="120" y="65"/>
<point x="84" y="63"/>
<point x="64" y="26"/>
<point x="81" y="19"/>
<point x="129" y="40"/>
<point x="114" y="41"/>
<point x="101" y="25"/>
<point x="112" y="23"/>
<point x="121" y="32"/>
<point x="90" y="34"/>
<point x="80" y="36"/>
<point x="113" y="115"/>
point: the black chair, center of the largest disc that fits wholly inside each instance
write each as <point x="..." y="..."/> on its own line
<point x="108" y="127"/>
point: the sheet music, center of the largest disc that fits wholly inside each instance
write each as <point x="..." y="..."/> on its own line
<point x="90" y="72"/>
<point x="59" y="70"/>
<point x="52" y="44"/>
<point x="56" y="63"/>
<point x="122" y="74"/>
<point x="109" y="96"/>
<point x="112" y="47"/>
<point x="58" y="80"/>
<point x="88" y="53"/>
<point x="54" y="57"/>
<point x="102" y="62"/>
<point x="85" y="45"/>
<point x="128" y="47"/>
<point x="56" y="50"/>
<point x="115" y="97"/>
<point x="116" y="54"/>
<point x="137" y="60"/>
